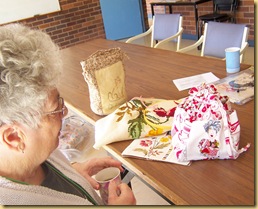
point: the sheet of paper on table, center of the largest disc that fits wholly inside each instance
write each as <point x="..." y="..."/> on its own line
<point x="196" y="80"/>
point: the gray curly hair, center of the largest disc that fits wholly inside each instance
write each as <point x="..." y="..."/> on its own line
<point x="30" y="66"/>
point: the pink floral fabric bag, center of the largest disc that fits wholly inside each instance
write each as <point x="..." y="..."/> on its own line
<point x="205" y="127"/>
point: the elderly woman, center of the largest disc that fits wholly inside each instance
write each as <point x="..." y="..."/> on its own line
<point x="32" y="170"/>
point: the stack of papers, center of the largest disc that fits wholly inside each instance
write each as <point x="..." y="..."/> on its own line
<point x="196" y="80"/>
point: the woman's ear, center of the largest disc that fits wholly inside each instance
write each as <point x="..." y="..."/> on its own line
<point x="13" y="138"/>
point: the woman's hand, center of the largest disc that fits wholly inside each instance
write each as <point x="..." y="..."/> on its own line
<point x="93" y="166"/>
<point x="120" y="194"/>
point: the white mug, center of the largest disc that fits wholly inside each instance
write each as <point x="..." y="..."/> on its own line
<point x="103" y="177"/>
<point x="232" y="59"/>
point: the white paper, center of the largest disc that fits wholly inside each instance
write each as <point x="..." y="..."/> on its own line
<point x="196" y="80"/>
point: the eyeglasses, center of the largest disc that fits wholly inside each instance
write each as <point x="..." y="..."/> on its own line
<point x="60" y="109"/>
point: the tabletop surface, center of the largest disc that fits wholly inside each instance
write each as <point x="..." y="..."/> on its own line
<point x="149" y="73"/>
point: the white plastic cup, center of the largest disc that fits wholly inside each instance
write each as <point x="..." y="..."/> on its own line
<point x="104" y="177"/>
<point x="232" y="59"/>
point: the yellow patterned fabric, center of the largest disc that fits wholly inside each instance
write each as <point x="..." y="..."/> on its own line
<point x="138" y="118"/>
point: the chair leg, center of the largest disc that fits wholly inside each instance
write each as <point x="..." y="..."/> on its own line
<point x="200" y="32"/>
<point x="127" y="176"/>
<point x="201" y="28"/>
<point x="234" y="20"/>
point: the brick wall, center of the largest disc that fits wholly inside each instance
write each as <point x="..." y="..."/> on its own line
<point x="78" y="21"/>
<point x="81" y="20"/>
<point x="245" y="14"/>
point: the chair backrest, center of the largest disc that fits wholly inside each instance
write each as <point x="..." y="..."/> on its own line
<point x="165" y="25"/>
<point x="225" y="5"/>
<point x="219" y="36"/>
<point x="164" y="28"/>
<point x="228" y="6"/>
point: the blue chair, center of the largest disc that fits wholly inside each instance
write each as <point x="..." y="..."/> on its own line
<point x="219" y="36"/>
<point x="165" y="28"/>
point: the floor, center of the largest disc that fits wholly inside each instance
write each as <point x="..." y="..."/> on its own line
<point x="145" y="195"/>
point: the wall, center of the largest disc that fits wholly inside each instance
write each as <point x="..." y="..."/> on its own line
<point x="245" y="14"/>
<point x="81" y="20"/>
<point x="78" y="21"/>
<point x="8" y="9"/>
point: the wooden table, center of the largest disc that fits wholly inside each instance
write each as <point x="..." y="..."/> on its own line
<point x="193" y="3"/>
<point x="149" y="73"/>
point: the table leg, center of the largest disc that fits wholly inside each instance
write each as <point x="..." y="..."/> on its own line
<point x="170" y="9"/>
<point x="126" y="177"/>
<point x="196" y="21"/>
<point x="197" y="24"/>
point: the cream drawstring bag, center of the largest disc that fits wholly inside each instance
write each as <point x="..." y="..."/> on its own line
<point x="104" y="73"/>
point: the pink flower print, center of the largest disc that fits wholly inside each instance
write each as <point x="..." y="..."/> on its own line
<point x="227" y="140"/>
<point x="206" y="143"/>
<point x="145" y="143"/>
<point x="213" y="88"/>
<point x="208" y="148"/>
<point x="213" y="112"/>
<point x="218" y="115"/>
<point x="213" y="152"/>
<point x="171" y="112"/>
<point x="204" y="109"/>
<point x="193" y="90"/>
<point x="201" y="142"/>
<point x="233" y="126"/>
<point x="205" y="151"/>
<point x="174" y="130"/>
<point x="178" y="153"/>
<point x="154" y="152"/>
<point x="161" y="112"/>
<point x="193" y="118"/>
<point x="226" y="106"/>
<point x="195" y="101"/>
<point x="212" y="97"/>
<point x="210" y="152"/>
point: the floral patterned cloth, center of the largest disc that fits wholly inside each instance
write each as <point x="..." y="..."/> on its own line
<point x="138" y="118"/>
<point x="205" y="126"/>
